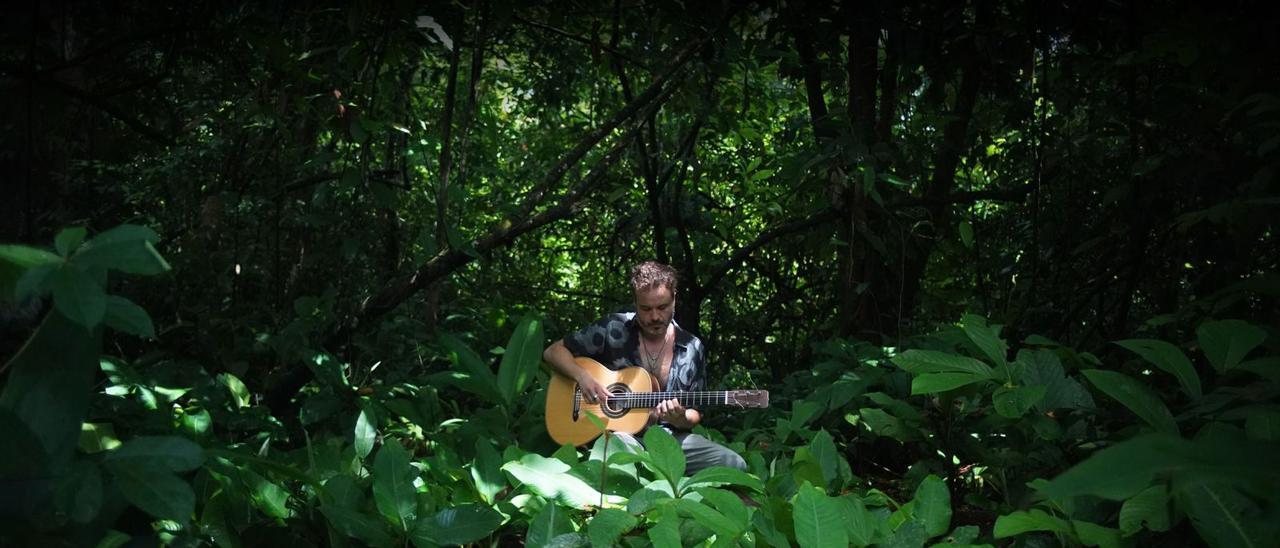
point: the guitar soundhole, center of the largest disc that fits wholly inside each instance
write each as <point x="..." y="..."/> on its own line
<point x="613" y="409"/>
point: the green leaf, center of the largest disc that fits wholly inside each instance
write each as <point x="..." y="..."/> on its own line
<point x="463" y="524"/>
<point x="930" y="383"/>
<point x="708" y="517"/>
<point x="932" y="506"/>
<point x="125" y="233"/>
<point x="79" y="297"/>
<point x="393" y="490"/>
<point x="609" y="525"/>
<point x="125" y="316"/>
<point x="354" y="524"/>
<point x="482" y="381"/>
<point x="27" y="257"/>
<point x="156" y="492"/>
<point x="1020" y="522"/>
<point x="716" y="476"/>
<point x="1015" y="402"/>
<point x="859" y="522"/>
<point x="1263" y="425"/>
<point x="823" y="449"/>
<point x="665" y="533"/>
<point x="817" y="519"/>
<point x="966" y="234"/>
<point x="239" y="392"/>
<point x="521" y="358"/>
<point x="35" y="282"/>
<point x="1092" y="534"/>
<point x="550" y="522"/>
<point x="68" y="240"/>
<point x="1122" y="470"/>
<point x="982" y="335"/>
<point x="172" y="453"/>
<point x="550" y="478"/>
<point x="266" y="495"/>
<point x="48" y="387"/>
<point x="1226" y="342"/>
<point x="129" y="256"/>
<point x="1135" y="396"/>
<point x="665" y="454"/>
<point x="79" y="493"/>
<point x="1149" y="508"/>
<point x="364" y="434"/>
<point x="930" y="361"/>
<point x="486" y="471"/>
<point x="1222" y="516"/>
<point x="1170" y="360"/>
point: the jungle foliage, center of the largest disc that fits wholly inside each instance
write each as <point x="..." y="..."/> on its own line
<point x="278" y="273"/>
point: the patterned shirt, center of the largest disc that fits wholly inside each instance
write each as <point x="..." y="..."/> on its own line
<point x="614" y="341"/>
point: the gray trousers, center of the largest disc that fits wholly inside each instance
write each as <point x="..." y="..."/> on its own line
<point x="699" y="452"/>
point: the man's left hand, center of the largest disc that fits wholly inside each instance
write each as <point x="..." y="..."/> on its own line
<point x="672" y="412"/>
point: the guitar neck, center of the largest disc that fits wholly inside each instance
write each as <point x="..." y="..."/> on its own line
<point x="635" y="400"/>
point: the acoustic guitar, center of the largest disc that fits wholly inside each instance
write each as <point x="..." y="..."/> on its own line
<point x="632" y="395"/>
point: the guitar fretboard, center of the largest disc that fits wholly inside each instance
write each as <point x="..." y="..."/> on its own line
<point x="635" y="400"/>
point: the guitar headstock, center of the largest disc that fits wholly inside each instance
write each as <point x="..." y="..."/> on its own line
<point x="747" y="398"/>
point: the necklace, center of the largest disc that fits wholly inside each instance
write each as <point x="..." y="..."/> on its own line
<point x="653" y="361"/>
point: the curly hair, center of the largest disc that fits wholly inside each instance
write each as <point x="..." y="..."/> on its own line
<point x="650" y="274"/>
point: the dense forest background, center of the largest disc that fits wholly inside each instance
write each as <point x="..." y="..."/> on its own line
<point x="282" y="272"/>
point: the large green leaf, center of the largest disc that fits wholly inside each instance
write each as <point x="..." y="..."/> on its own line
<point x="463" y="524"/>
<point x="127" y="248"/>
<point x="125" y="316"/>
<point x="931" y="361"/>
<point x="818" y="519"/>
<point x="930" y="383"/>
<point x="1169" y="359"/>
<point x="1016" y="401"/>
<point x="665" y="455"/>
<point x="1122" y="470"/>
<point x="78" y="296"/>
<point x="716" y="476"/>
<point x="365" y="433"/>
<point x="708" y="517"/>
<point x="69" y="239"/>
<point x="1135" y="396"/>
<point x="549" y="523"/>
<point x="172" y="453"/>
<point x="1226" y="342"/>
<point x="352" y="523"/>
<point x="1149" y="508"/>
<point x="479" y="379"/>
<point x="48" y="387"/>
<point x="551" y="479"/>
<point x="932" y="506"/>
<point x="1042" y="367"/>
<point x="521" y="358"/>
<point x="665" y="533"/>
<point x="393" y="490"/>
<point x="858" y="521"/>
<point x="608" y="525"/>
<point x="239" y="392"/>
<point x="982" y="335"/>
<point x="157" y="492"/>
<point x="486" y="471"/>
<point x="1223" y="517"/>
<point x="1019" y="522"/>
<point x="823" y="450"/>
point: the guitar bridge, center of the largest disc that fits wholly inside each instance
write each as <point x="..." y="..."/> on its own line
<point x="577" y="399"/>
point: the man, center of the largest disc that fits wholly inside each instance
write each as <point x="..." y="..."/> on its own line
<point x="648" y="338"/>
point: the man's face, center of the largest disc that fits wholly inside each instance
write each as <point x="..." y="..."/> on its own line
<point x="654" y="308"/>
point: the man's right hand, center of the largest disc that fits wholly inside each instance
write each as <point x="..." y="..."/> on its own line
<point x="592" y="391"/>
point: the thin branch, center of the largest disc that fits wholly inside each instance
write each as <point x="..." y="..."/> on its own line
<point x="587" y="41"/>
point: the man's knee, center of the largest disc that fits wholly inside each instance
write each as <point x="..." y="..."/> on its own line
<point x="733" y="460"/>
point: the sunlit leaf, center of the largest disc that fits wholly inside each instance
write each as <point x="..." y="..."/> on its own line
<point x="365" y="433"/>
<point x="932" y="506"/>
<point x="393" y="491"/>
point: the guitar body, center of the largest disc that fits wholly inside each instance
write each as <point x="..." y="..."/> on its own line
<point x="632" y="394"/>
<point x="563" y="399"/>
